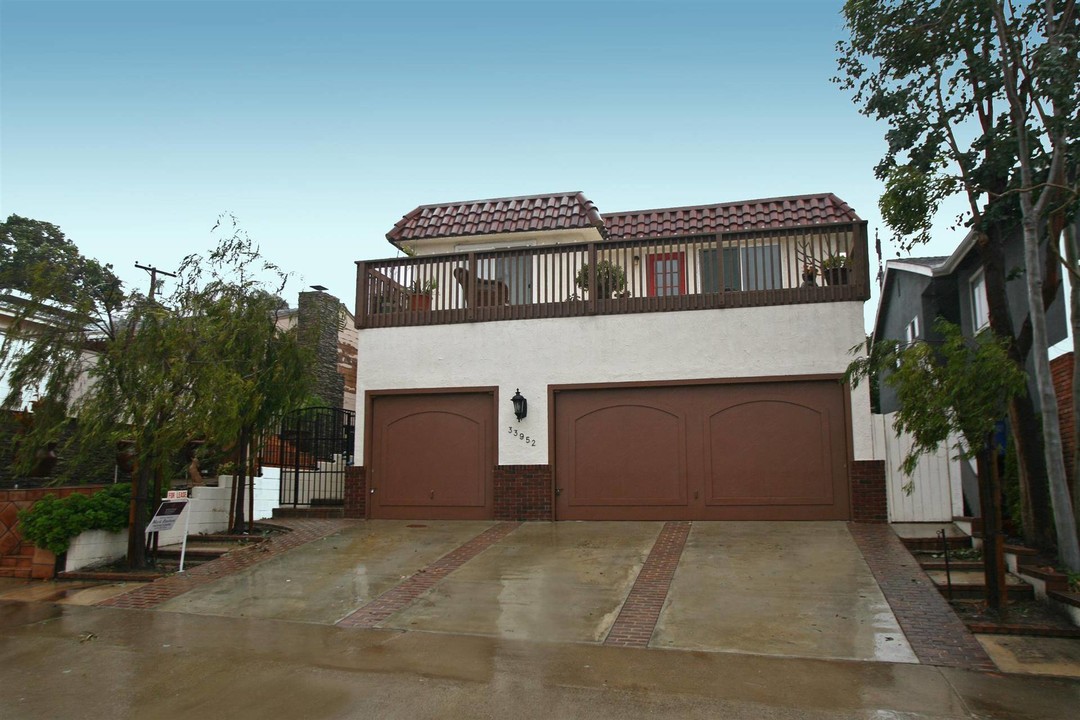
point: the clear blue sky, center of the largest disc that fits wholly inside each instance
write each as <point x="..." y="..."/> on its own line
<point x="133" y="125"/>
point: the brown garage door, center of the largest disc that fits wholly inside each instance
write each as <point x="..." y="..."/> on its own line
<point x="432" y="456"/>
<point x="747" y="451"/>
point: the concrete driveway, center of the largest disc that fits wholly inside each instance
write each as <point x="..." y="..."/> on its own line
<point x="790" y="589"/>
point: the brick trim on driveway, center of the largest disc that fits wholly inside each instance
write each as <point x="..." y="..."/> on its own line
<point x="935" y="633"/>
<point x="637" y="618"/>
<point x="413" y="587"/>
<point x="302" y="531"/>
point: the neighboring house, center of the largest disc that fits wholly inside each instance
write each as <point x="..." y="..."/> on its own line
<point x="679" y="363"/>
<point x="915" y="293"/>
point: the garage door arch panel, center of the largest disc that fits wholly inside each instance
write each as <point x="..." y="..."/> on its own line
<point x="445" y="468"/>
<point x="628" y="454"/>
<point x="769" y="452"/>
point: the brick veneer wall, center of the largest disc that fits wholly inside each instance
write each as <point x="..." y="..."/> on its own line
<point x="868" y="500"/>
<point x="523" y="492"/>
<point x="1061" y="370"/>
<point x="11" y="541"/>
<point x="355" y="491"/>
<point x="13" y="500"/>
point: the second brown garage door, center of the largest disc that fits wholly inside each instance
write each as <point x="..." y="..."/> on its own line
<point x="747" y="451"/>
<point x="432" y="456"/>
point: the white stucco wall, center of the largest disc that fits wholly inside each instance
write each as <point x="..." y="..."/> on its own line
<point x="781" y="340"/>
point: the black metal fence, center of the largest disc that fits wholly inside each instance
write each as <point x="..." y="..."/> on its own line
<point x="312" y="449"/>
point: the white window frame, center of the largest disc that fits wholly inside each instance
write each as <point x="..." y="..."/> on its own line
<point x="911" y="332"/>
<point x="980" y="308"/>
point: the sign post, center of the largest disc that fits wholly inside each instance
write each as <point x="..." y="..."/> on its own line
<point x="166" y="516"/>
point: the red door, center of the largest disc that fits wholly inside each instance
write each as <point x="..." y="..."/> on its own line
<point x="433" y="457"/>
<point x="666" y="273"/>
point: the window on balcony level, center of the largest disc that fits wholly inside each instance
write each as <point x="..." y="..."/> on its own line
<point x="748" y="268"/>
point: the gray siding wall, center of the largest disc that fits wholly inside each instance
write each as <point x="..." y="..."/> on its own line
<point x="904" y="303"/>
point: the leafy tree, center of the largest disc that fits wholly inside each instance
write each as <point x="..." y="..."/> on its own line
<point x="259" y="370"/>
<point x="959" y="388"/>
<point x="151" y="372"/>
<point x="1039" y="58"/>
<point x="932" y="71"/>
<point x="61" y="305"/>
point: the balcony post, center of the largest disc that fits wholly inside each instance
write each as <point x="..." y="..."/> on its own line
<point x="470" y="291"/>
<point x="863" y="243"/>
<point x="721" y="285"/>
<point x="360" y="318"/>
<point x="592" y="279"/>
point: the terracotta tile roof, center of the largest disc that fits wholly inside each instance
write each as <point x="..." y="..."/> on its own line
<point x="563" y="211"/>
<point x="796" y="210"/>
<point x="559" y="211"/>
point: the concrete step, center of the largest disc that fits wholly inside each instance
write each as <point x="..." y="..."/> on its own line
<point x="1072" y="599"/>
<point x="221" y="540"/>
<point x="971" y="584"/>
<point x="196" y="554"/>
<point x="1052" y="579"/>
<point x="933" y="544"/>
<point x="968" y="525"/>
<point x="321" y="513"/>
<point x="954" y="565"/>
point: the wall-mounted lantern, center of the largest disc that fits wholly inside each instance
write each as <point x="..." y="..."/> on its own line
<point x="521" y="405"/>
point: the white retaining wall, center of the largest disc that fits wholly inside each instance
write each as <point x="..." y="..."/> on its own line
<point x="207" y="512"/>
<point x="95" y="547"/>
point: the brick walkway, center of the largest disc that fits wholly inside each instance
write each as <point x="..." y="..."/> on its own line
<point x="409" y="590"/>
<point x="637" y="618"/>
<point x="936" y="634"/>
<point x="302" y="532"/>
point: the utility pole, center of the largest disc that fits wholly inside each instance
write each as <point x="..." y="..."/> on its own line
<point x="154" y="272"/>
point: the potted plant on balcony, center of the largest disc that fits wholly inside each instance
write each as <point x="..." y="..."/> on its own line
<point x="610" y="279"/>
<point x="420" y="293"/>
<point x="835" y="269"/>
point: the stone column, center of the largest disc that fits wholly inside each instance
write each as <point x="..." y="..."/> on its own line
<point x="318" y="316"/>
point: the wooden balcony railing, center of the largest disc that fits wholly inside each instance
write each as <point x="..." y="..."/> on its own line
<point x="822" y="263"/>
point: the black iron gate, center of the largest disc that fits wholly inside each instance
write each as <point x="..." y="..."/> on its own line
<point x="313" y="448"/>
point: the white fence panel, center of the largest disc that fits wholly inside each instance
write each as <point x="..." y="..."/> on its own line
<point x="937" y="495"/>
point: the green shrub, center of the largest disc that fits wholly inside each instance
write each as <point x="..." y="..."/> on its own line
<point x="610" y="278"/>
<point x="51" y="523"/>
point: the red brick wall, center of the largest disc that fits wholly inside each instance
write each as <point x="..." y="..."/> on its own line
<point x="355" y="491"/>
<point x="11" y="501"/>
<point x="43" y="562"/>
<point x="1061" y="370"/>
<point x="523" y="492"/>
<point x="868" y="501"/>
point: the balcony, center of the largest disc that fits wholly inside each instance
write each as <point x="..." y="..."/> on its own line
<point x="785" y="266"/>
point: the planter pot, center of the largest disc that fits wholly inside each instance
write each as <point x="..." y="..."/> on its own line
<point x="836" y="275"/>
<point x="420" y="302"/>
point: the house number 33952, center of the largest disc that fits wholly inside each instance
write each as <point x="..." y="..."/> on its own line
<point x="520" y="436"/>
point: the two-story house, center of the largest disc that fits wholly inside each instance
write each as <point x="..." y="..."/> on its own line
<point x="915" y="293"/>
<point x="532" y="358"/>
